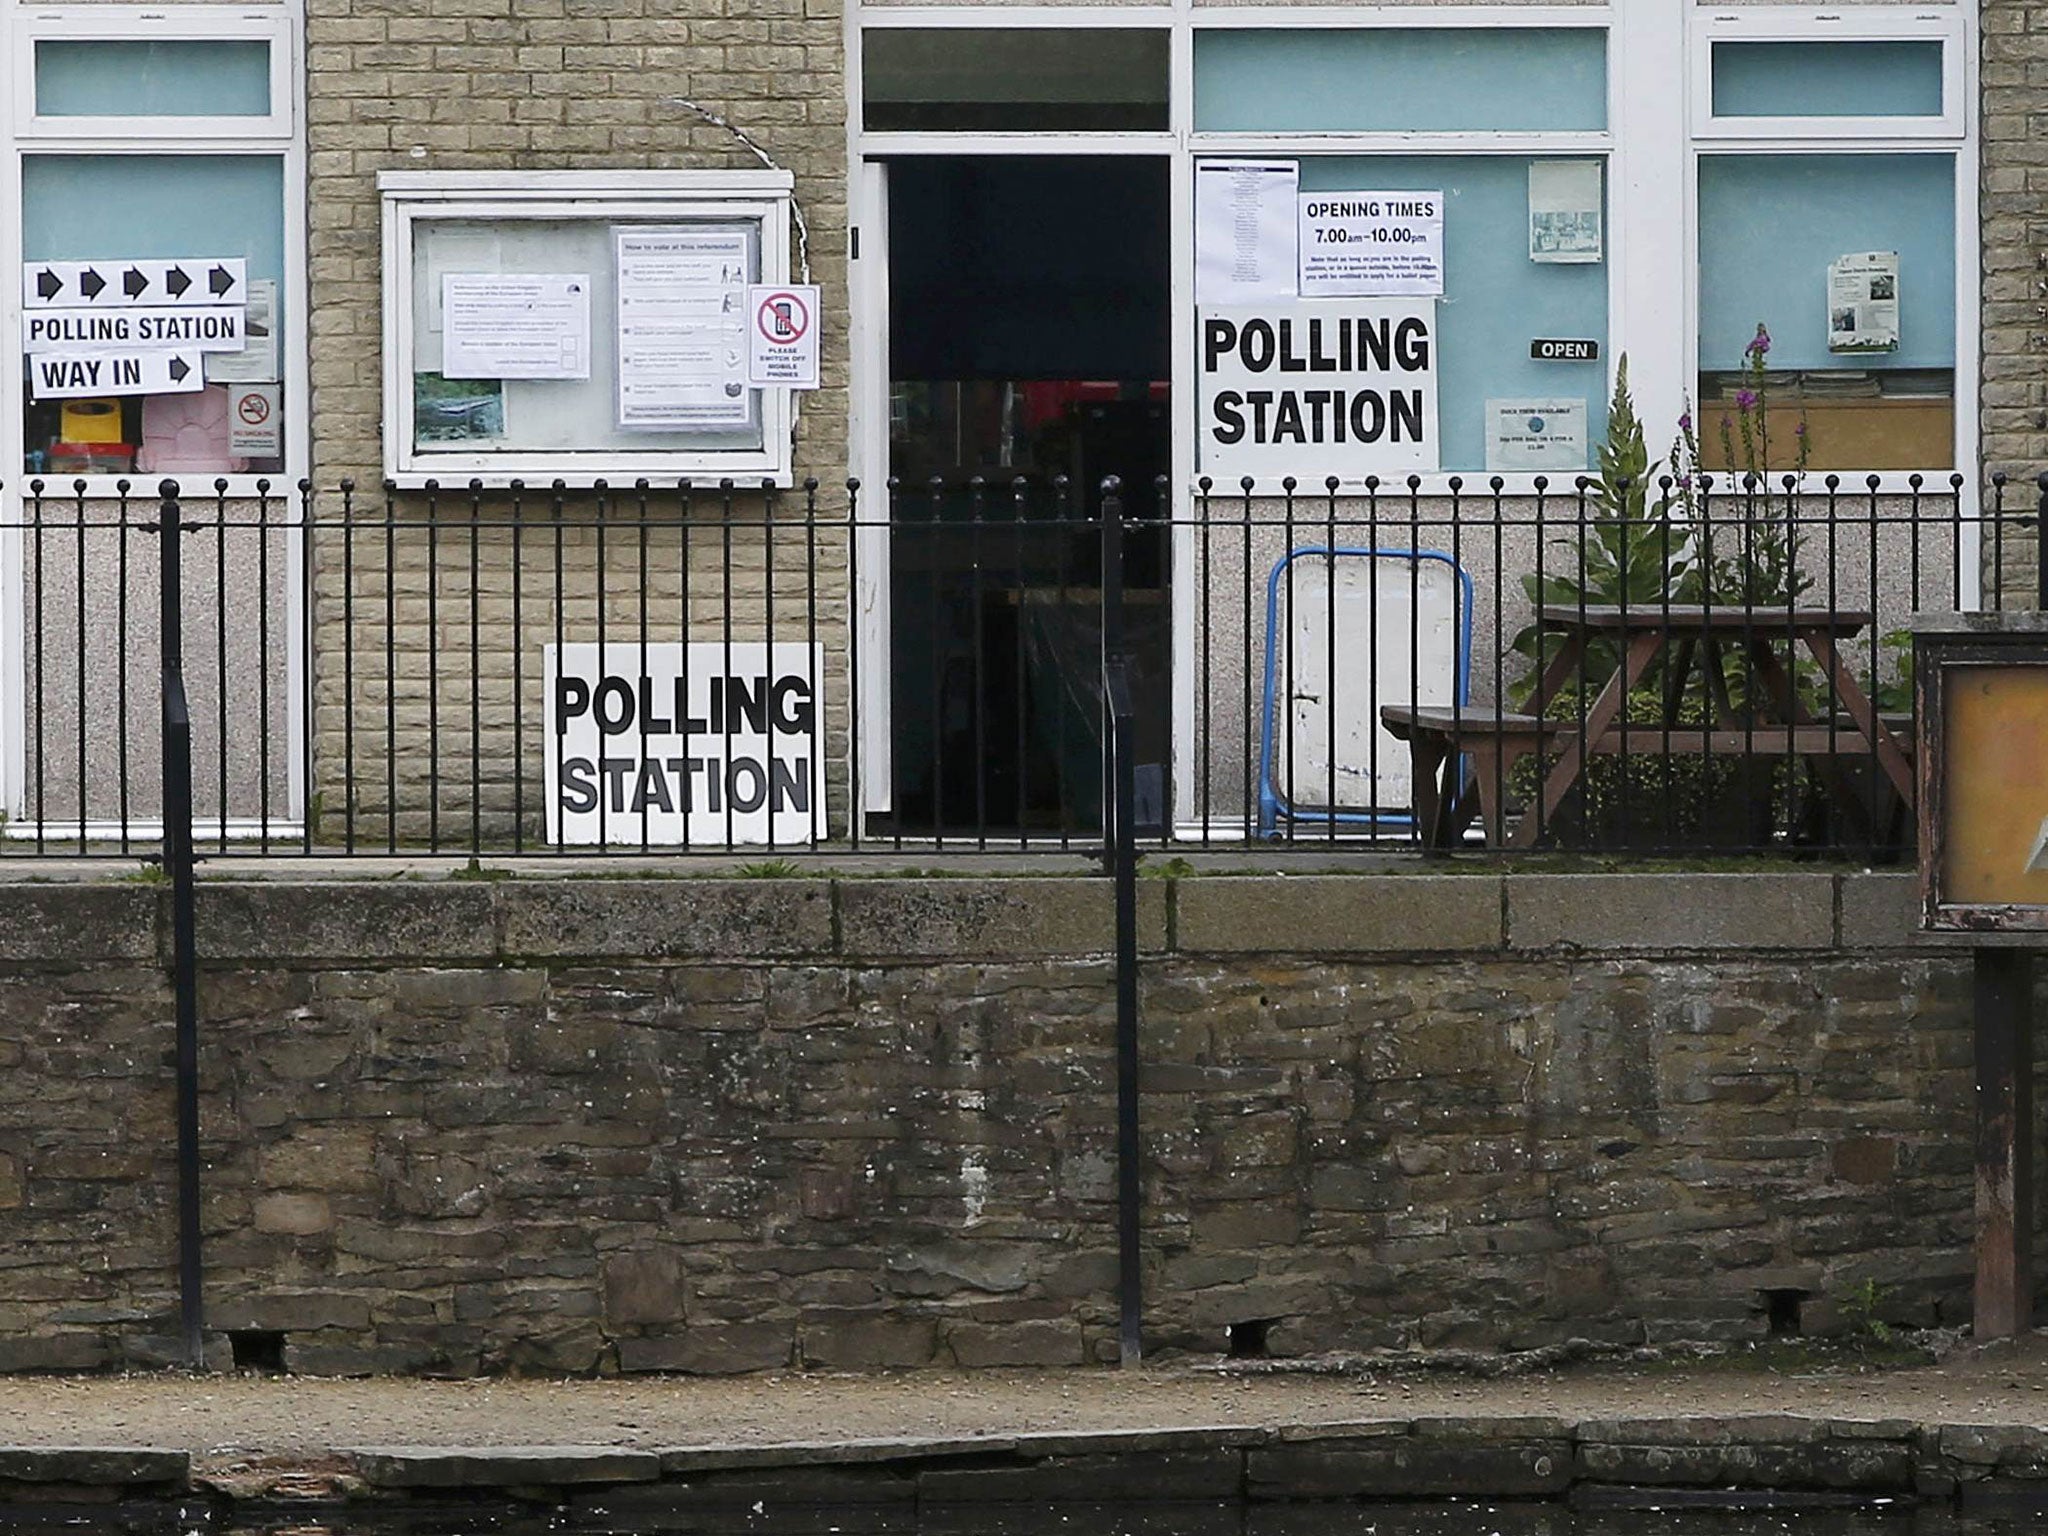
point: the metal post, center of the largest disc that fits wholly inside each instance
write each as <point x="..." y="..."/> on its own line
<point x="2003" y="985"/>
<point x="177" y="749"/>
<point x="2041" y="542"/>
<point x="1121" y="849"/>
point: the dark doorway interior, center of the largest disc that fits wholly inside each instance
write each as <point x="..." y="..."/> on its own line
<point x="1029" y="346"/>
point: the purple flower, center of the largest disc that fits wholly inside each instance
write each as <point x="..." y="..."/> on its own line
<point x="1800" y="430"/>
<point x="1685" y="482"/>
<point x="1685" y="422"/>
<point x="1745" y="399"/>
<point x="1761" y="344"/>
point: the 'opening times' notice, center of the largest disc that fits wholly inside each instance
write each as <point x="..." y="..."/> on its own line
<point x="1384" y="244"/>
<point x="683" y="329"/>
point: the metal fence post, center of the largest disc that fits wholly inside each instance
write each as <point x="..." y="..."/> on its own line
<point x="178" y="865"/>
<point x="1121" y="850"/>
<point x="2041" y="542"/>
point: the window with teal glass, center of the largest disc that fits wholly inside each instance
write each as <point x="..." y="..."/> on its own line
<point x="1395" y="79"/>
<point x="126" y="207"/>
<point x="1770" y="226"/>
<point x="1496" y="300"/>
<point x="152" y="78"/>
<point x="1898" y="78"/>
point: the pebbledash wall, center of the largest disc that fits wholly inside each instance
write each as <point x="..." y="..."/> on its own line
<point x="715" y="1126"/>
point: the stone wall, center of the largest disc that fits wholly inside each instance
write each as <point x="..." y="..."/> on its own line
<point x="709" y="1125"/>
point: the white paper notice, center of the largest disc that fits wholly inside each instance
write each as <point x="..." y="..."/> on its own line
<point x="1382" y="245"/>
<point x="1535" y="434"/>
<point x="256" y="363"/>
<point x="1863" y="302"/>
<point x="1244" y="230"/>
<point x="683" y="329"/>
<point x="515" y="325"/>
<point x="1564" y="211"/>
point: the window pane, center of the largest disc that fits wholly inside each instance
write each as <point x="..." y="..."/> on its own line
<point x="1015" y="79"/>
<point x="131" y="207"/>
<point x="1496" y="300"/>
<point x="1445" y="80"/>
<point x="1770" y="226"/>
<point x="152" y="79"/>
<point x="1895" y="79"/>
<point x="699" y="347"/>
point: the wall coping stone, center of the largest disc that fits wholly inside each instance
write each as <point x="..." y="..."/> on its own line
<point x="1481" y="1454"/>
<point x="908" y="920"/>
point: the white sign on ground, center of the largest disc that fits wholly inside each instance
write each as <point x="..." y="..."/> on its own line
<point x="713" y="742"/>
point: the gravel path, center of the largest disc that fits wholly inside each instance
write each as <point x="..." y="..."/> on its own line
<point x="306" y="1418"/>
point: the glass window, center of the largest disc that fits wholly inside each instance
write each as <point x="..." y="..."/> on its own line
<point x="117" y="208"/>
<point x="1828" y="79"/>
<point x="1496" y="300"/>
<point x="700" y="335"/>
<point x="1015" y="79"/>
<point x="1771" y="227"/>
<point x="167" y="78"/>
<point x="1426" y="80"/>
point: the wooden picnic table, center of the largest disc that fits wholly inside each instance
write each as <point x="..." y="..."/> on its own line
<point x="1463" y="755"/>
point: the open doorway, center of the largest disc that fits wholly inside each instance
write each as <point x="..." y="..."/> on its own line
<point x="1029" y="346"/>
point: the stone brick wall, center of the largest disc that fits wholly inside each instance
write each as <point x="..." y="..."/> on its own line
<point x="715" y="1126"/>
<point x="530" y="85"/>
<point x="2014" y="210"/>
<point x="553" y="85"/>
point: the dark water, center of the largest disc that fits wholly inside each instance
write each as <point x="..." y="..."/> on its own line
<point x="610" y="1517"/>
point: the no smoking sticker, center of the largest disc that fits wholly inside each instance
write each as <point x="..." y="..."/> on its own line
<point x="255" y="430"/>
<point x="782" y="336"/>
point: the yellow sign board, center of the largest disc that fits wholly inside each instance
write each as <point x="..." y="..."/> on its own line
<point x="1995" y="800"/>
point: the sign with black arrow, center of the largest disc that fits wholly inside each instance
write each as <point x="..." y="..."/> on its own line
<point x="118" y="284"/>
<point x="72" y="375"/>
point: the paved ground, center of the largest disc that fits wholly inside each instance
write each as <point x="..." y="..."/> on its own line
<point x="2000" y="1384"/>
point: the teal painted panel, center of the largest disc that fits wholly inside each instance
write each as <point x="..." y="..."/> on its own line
<point x="1769" y="226"/>
<point x="1443" y="79"/>
<point x="87" y="207"/>
<point x="1496" y="300"/>
<point x="180" y="78"/>
<point x="1834" y="79"/>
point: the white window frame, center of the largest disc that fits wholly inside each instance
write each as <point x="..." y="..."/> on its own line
<point x="413" y="197"/>
<point x="1566" y="143"/>
<point x="277" y="136"/>
<point x="1868" y="24"/>
<point x="176" y="23"/>
<point x="1953" y="134"/>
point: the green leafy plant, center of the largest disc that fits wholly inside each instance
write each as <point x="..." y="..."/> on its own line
<point x="1860" y="1306"/>
<point x="1630" y="550"/>
<point x="769" y="869"/>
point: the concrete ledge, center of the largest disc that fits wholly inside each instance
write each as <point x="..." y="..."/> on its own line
<point x="527" y="1466"/>
<point x="95" y="1466"/>
<point x="1534" y="1457"/>
<point x="990" y="919"/>
<point x="664" y="919"/>
<point x="1671" y="912"/>
<point x="345" y="921"/>
<point x="1338" y="914"/>
<point x="69" y="923"/>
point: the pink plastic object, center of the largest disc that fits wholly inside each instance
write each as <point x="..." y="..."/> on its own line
<point x="187" y="435"/>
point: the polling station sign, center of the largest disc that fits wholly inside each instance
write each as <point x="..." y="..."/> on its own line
<point x="680" y="745"/>
<point x="1313" y="388"/>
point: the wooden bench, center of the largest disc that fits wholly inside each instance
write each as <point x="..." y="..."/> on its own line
<point x="1489" y="741"/>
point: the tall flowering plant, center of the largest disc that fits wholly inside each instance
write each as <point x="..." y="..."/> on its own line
<point x="1753" y="557"/>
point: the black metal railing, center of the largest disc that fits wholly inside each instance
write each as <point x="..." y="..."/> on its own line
<point x="684" y="669"/>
